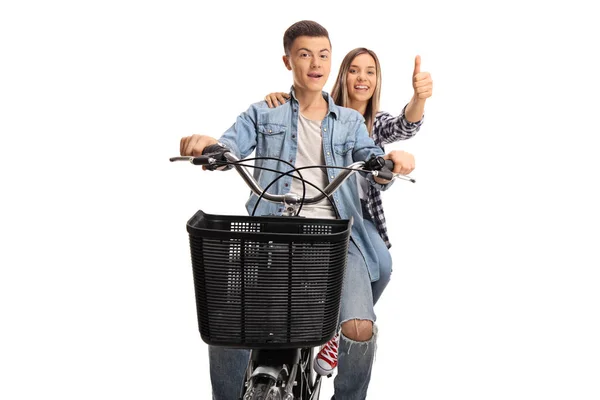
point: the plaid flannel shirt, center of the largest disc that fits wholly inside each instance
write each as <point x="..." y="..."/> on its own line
<point x="387" y="129"/>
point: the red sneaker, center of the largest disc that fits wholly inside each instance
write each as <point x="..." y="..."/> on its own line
<point x="326" y="360"/>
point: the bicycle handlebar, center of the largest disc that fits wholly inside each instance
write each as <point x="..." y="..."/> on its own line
<point x="217" y="155"/>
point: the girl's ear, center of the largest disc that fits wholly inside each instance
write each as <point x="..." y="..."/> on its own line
<point x="286" y="61"/>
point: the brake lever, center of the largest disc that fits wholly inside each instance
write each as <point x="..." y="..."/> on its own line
<point x="375" y="163"/>
<point x="208" y="161"/>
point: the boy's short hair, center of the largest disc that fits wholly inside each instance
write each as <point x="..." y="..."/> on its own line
<point x="302" y="28"/>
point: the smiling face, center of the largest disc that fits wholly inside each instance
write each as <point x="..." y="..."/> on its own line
<point x="310" y="61"/>
<point x="361" y="80"/>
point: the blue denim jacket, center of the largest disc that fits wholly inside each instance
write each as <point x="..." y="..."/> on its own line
<point x="273" y="132"/>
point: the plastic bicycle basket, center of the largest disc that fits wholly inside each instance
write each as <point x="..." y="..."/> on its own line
<point x="267" y="282"/>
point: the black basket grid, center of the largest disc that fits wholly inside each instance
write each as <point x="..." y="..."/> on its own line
<point x="267" y="282"/>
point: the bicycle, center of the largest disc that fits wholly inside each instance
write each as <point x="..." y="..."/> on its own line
<point x="272" y="284"/>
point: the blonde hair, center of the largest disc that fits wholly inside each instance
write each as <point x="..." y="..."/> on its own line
<point x="339" y="93"/>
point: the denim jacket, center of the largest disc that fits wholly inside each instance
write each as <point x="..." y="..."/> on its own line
<point x="273" y="132"/>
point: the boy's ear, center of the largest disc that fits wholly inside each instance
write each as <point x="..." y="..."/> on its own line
<point x="286" y="61"/>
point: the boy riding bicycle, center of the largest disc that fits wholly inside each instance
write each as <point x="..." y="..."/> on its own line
<point x="311" y="130"/>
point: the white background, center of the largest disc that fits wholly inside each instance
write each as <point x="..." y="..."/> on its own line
<point x="494" y="293"/>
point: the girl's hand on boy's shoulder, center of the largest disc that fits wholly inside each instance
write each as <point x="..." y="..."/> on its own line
<point x="276" y="99"/>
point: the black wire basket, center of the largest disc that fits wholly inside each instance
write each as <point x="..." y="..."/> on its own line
<point x="267" y="282"/>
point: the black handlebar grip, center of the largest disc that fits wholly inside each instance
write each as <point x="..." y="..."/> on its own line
<point x="202" y="160"/>
<point x="385" y="174"/>
<point x="389" y="164"/>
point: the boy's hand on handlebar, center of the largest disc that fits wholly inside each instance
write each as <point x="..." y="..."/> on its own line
<point x="194" y="145"/>
<point x="276" y="99"/>
<point x="404" y="163"/>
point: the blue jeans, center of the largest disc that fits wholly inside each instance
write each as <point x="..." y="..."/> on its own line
<point x="385" y="261"/>
<point x="227" y="371"/>
<point x="355" y="359"/>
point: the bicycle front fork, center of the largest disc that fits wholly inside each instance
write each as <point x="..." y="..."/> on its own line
<point x="284" y="374"/>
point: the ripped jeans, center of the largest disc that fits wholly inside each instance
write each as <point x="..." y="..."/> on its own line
<point x="355" y="358"/>
<point x="359" y="295"/>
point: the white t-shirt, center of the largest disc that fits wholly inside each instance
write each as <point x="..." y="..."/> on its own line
<point x="310" y="152"/>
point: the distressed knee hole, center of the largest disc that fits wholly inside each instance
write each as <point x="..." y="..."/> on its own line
<point x="359" y="330"/>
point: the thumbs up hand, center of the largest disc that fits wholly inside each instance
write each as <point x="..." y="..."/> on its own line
<point x="422" y="82"/>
